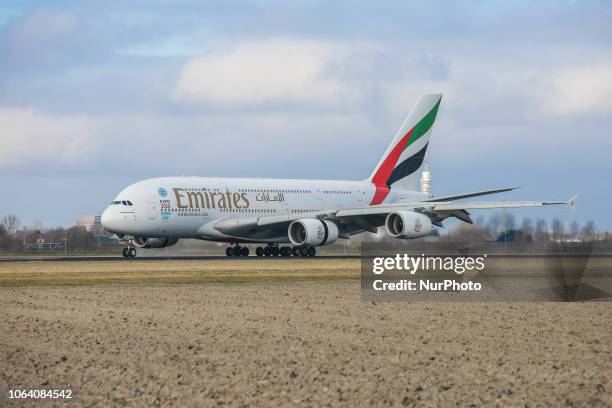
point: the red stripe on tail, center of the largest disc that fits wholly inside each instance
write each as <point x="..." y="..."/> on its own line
<point x="386" y="168"/>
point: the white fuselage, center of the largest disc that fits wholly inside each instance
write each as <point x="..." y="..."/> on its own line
<point x="189" y="207"/>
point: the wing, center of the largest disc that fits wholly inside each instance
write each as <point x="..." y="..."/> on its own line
<point x="368" y="218"/>
<point x="437" y="211"/>
<point x="371" y="217"/>
<point x="473" y="194"/>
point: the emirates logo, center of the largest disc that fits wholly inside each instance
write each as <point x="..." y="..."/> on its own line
<point x="418" y="225"/>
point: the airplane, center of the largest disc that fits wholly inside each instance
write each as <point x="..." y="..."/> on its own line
<point x="292" y="217"/>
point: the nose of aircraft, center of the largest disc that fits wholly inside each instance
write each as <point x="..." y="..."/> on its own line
<point x="109" y="220"/>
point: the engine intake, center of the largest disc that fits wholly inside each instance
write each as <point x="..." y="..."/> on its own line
<point x="408" y="224"/>
<point x="143" y="242"/>
<point x="312" y="232"/>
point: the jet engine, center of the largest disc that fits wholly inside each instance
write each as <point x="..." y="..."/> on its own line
<point x="407" y="224"/>
<point x="142" y="242"/>
<point x="312" y="232"/>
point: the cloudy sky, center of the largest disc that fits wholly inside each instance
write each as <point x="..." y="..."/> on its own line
<point x="96" y="95"/>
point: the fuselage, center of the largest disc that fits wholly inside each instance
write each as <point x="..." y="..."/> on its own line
<point x="188" y="207"/>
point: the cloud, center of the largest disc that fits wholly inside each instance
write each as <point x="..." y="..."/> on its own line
<point x="582" y="88"/>
<point x="238" y="145"/>
<point x="304" y="82"/>
<point x="143" y="145"/>
<point x="492" y="106"/>
<point x="41" y="36"/>
<point x="269" y="71"/>
<point x="29" y="138"/>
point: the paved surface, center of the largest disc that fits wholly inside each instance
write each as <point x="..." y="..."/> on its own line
<point x="223" y="257"/>
<point x="300" y="344"/>
<point x="161" y="258"/>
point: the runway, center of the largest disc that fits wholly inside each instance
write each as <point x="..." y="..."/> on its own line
<point x="111" y="258"/>
<point x="164" y="258"/>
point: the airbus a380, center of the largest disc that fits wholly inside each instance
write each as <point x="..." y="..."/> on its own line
<point x="156" y="213"/>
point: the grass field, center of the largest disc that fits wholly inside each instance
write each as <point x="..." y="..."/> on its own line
<point x="203" y="271"/>
<point x="176" y="271"/>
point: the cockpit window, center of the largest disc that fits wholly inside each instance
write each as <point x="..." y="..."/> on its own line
<point x="130" y="203"/>
<point x="124" y="202"/>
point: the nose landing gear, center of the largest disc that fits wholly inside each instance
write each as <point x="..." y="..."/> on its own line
<point x="129" y="252"/>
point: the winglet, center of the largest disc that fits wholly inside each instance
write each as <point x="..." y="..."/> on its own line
<point x="572" y="202"/>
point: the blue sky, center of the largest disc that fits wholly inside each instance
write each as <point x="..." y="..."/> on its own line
<point x="96" y="95"/>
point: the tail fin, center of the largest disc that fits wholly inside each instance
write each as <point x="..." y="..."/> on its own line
<point x="400" y="164"/>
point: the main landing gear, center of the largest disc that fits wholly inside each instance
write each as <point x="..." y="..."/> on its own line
<point x="237" y="250"/>
<point x="285" y="251"/>
<point x="272" y="250"/>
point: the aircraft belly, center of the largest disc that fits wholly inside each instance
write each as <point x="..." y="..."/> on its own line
<point x="243" y="230"/>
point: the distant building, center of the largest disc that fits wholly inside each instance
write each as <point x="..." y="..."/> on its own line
<point x="513" y="235"/>
<point x="91" y="223"/>
<point x="105" y="239"/>
<point x="41" y="244"/>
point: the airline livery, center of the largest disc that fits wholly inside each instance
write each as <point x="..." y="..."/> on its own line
<point x="156" y="213"/>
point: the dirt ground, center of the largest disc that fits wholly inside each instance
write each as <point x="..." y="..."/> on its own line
<point x="310" y="343"/>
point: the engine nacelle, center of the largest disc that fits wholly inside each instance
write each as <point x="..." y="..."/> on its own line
<point x="143" y="242"/>
<point x="312" y="232"/>
<point x="408" y="224"/>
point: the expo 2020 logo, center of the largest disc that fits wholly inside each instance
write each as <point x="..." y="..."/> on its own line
<point x="162" y="192"/>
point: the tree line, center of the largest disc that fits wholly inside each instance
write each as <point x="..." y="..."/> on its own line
<point x="499" y="226"/>
<point x="502" y="226"/>
<point x="16" y="237"/>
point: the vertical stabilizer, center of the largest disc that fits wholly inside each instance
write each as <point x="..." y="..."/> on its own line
<point x="399" y="166"/>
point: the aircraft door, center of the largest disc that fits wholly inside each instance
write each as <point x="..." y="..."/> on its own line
<point x="358" y="194"/>
<point x="318" y="193"/>
<point x="152" y="209"/>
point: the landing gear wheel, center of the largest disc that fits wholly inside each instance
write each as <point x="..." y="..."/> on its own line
<point x="312" y="251"/>
<point x="126" y="252"/>
<point x="267" y="251"/>
<point x="295" y="251"/>
<point x="229" y="251"/>
<point x="259" y="251"/>
<point x="244" y="251"/>
<point x="132" y="252"/>
<point x="237" y="250"/>
<point x="285" y="251"/>
<point x="275" y="251"/>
